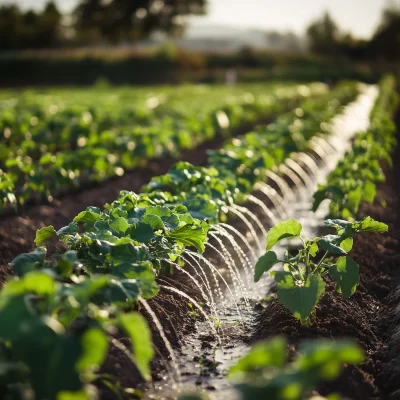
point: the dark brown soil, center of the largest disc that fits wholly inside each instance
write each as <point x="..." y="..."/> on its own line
<point x="370" y="315"/>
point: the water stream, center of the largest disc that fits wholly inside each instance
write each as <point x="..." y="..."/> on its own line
<point x="202" y="361"/>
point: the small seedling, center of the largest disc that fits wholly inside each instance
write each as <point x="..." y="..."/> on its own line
<point x="300" y="282"/>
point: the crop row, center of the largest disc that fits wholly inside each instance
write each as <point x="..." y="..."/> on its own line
<point x="354" y="178"/>
<point x="265" y="371"/>
<point x="64" y="308"/>
<point x="49" y="146"/>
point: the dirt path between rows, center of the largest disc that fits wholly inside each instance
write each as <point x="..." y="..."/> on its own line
<point x="371" y="315"/>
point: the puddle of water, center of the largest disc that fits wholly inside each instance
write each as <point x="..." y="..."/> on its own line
<point x="203" y="364"/>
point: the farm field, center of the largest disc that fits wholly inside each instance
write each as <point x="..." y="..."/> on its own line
<point x="228" y="242"/>
<point x="55" y="140"/>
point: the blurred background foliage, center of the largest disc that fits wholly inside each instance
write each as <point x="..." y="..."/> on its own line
<point x="113" y="39"/>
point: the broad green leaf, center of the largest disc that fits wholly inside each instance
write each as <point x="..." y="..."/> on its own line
<point x="37" y="282"/>
<point x="81" y="395"/>
<point x="346" y="275"/>
<point x="191" y="236"/>
<point x="202" y="209"/>
<point x="269" y="353"/>
<point x="159" y="211"/>
<point x="284" y="230"/>
<point x="28" y="262"/>
<point x="119" y="225"/>
<point x="70" y="229"/>
<point x="337" y="223"/>
<point x="94" y="344"/>
<point x="369" y="192"/>
<point x="354" y="198"/>
<point x="90" y="216"/>
<point x="347" y="244"/>
<point x="154" y="221"/>
<point x="142" y="232"/>
<point x="314" y="249"/>
<point x="130" y="253"/>
<point x="43" y="346"/>
<point x="325" y="358"/>
<point x="300" y="298"/>
<point x="118" y="292"/>
<point x="370" y="225"/>
<point x="264" y="264"/>
<point x="137" y="329"/>
<point x="65" y="265"/>
<point x="143" y="274"/>
<point x="44" y="234"/>
<point x="331" y="243"/>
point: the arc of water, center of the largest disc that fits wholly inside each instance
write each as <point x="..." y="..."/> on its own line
<point x="241" y="237"/>
<point x="307" y="160"/>
<point x="236" y="283"/>
<point x="203" y="276"/>
<point x="164" y="338"/>
<point x="324" y="143"/>
<point x="254" y="217"/>
<point x="214" y="275"/>
<point x="271" y="194"/>
<point x="209" y="300"/>
<point x="203" y="259"/>
<point x="296" y="167"/>
<point x="268" y="213"/>
<point x="285" y="189"/>
<point x="247" y="265"/>
<point x="202" y="312"/>
<point x="237" y="212"/>
<point x="232" y="268"/>
<point x="298" y="183"/>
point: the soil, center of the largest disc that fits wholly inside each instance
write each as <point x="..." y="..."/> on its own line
<point x="371" y="315"/>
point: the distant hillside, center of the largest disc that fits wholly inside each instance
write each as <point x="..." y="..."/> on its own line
<point x="229" y="38"/>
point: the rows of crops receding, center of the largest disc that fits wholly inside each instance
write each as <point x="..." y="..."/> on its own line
<point x="197" y="234"/>
<point x="52" y="142"/>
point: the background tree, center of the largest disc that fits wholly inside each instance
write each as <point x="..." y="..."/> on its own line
<point x="117" y="20"/>
<point x="386" y="40"/>
<point x="324" y="36"/>
<point x="19" y="30"/>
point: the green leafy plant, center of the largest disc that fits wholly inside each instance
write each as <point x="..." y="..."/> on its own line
<point x="267" y="373"/>
<point x="355" y="177"/>
<point x="59" y="328"/>
<point x="301" y="280"/>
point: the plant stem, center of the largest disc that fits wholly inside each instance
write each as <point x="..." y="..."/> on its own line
<point x="321" y="261"/>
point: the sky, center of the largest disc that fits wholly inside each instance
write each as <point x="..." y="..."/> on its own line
<point x="360" y="17"/>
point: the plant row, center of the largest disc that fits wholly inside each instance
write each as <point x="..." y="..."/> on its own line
<point x="355" y="177"/>
<point x="77" y="299"/>
<point x="48" y="145"/>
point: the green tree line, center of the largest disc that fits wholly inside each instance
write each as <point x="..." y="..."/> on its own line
<point x="94" y="22"/>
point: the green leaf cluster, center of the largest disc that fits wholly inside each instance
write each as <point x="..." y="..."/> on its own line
<point x="300" y="282"/>
<point x="266" y="372"/>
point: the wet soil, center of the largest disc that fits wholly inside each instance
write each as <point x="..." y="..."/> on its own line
<point x="371" y="315"/>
